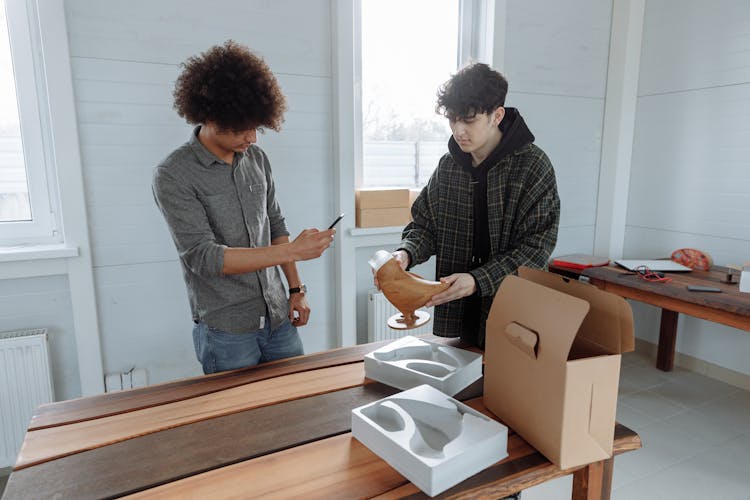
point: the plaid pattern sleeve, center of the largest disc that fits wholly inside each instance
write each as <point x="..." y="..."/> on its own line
<point x="419" y="236"/>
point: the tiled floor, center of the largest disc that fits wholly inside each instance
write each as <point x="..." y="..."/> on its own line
<point x="695" y="432"/>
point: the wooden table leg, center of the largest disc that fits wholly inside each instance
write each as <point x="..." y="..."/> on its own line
<point x="593" y="482"/>
<point x="667" y="340"/>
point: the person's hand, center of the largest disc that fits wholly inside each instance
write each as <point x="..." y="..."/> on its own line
<point x="299" y="309"/>
<point x="461" y="285"/>
<point x="311" y="243"/>
<point x="401" y="256"/>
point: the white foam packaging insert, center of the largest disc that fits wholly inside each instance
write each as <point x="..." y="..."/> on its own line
<point x="409" y="362"/>
<point x="430" y="438"/>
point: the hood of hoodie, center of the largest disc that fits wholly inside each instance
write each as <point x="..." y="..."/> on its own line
<point x="516" y="135"/>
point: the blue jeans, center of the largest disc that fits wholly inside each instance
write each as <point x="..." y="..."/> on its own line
<point x="218" y="351"/>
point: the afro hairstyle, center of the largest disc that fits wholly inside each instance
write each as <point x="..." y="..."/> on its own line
<point x="231" y="87"/>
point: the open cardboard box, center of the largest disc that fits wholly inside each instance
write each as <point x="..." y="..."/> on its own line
<point x="552" y="363"/>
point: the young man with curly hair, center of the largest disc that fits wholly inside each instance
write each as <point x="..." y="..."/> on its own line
<point x="218" y="197"/>
<point x="490" y="206"/>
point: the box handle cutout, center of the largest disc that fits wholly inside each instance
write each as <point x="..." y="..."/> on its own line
<point x="523" y="338"/>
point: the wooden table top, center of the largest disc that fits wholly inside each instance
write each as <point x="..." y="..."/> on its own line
<point x="730" y="307"/>
<point x="278" y="430"/>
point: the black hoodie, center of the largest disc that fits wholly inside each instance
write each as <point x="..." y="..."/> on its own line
<point x="516" y="135"/>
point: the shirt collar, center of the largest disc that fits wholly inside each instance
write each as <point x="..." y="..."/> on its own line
<point x="206" y="157"/>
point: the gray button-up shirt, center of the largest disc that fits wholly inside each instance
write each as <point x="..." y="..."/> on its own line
<point x="210" y="205"/>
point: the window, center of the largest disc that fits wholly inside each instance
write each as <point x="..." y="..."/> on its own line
<point x="406" y="55"/>
<point x="408" y="49"/>
<point x="26" y="207"/>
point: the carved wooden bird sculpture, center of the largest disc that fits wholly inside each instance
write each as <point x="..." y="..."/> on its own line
<point x="406" y="291"/>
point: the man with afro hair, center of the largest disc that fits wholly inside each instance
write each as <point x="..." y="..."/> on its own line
<point x="490" y="206"/>
<point x="218" y="197"/>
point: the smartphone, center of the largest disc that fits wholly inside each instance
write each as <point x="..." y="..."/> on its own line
<point x="341" y="216"/>
<point x="696" y="288"/>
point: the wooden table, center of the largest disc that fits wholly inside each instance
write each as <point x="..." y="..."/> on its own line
<point x="730" y="307"/>
<point x="278" y="430"/>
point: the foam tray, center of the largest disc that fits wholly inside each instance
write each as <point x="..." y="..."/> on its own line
<point x="409" y="362"/>
<point x="430" y="438"/>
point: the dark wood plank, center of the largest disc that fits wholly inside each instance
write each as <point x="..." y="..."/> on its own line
<point x="77" y="410"/>
<point x="55" y="442"/>
<point x="150" y="460"/>
<point x="731" y="301"/>
<point x="154" y="459"/>
<point x="667" y="340"/>
<point x="593" y="482"/>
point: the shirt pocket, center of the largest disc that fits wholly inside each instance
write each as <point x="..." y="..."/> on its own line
<point x="254" y="205"/>
<point x="225" y="218"/>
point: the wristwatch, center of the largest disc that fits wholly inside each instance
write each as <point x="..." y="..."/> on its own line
<point x="299" y="289"/>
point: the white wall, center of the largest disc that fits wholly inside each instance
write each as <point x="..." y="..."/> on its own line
<point x="690" y="176"/>
<point x="555" y="58"/>
<point x="125" y="58"/>
<point x="44" y="302"/>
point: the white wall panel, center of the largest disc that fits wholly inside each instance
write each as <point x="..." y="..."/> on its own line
<point x="690" y="171"/>
<point x="558" y="48"/>
<point x="146" y="320"/>
<point x="574" y="239"/>
<point x="44" y="302"/>
<point x="571" y="137"/>
<point x="555" y="59"/>
<point x="294" y="37"/>
<point x="691" y="44"/>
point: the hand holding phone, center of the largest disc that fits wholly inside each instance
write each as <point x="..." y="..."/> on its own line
<point x="341" y="216"/>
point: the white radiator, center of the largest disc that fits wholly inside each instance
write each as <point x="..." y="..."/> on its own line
<point x="25" y="383"/>
<point x="378" y="312"/>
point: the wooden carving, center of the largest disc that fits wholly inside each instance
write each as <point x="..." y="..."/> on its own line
<point x="406" y="291"/>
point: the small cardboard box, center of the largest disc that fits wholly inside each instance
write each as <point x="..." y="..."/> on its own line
<point x="367" y="198"/>
<point x="382" y="217"/>
<point x="552" y="364"/>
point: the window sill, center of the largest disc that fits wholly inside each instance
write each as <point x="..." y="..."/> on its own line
<point x="37" y="252"/>
<point x="371" y="231"/>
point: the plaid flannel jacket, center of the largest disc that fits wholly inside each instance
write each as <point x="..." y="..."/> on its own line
<point x="524" y="212"/>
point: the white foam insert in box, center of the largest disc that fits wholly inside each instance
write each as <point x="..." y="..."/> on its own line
<point x="409" y="362"/>
<point x="430" y="438"/>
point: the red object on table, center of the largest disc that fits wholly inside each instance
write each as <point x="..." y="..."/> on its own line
<point x="579" y="261"/>
<point x="694" y="259"/>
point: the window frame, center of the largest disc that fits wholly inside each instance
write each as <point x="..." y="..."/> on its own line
<point x="347" y="146"/>
<point x="33" y="111"/>
<point x="475" y="43"/>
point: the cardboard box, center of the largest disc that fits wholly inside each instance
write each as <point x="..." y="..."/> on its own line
<point x="382" y="217"/>
<point x="552" y="364"/>
<point x="382" y="198"/>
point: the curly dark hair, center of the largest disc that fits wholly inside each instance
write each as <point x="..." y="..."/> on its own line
<point x="476" y="88"/>
<point x="230" y="87"/>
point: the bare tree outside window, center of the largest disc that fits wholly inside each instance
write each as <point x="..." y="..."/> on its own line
<point x="14" y="187"/>
<point x="409" y="48"/>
